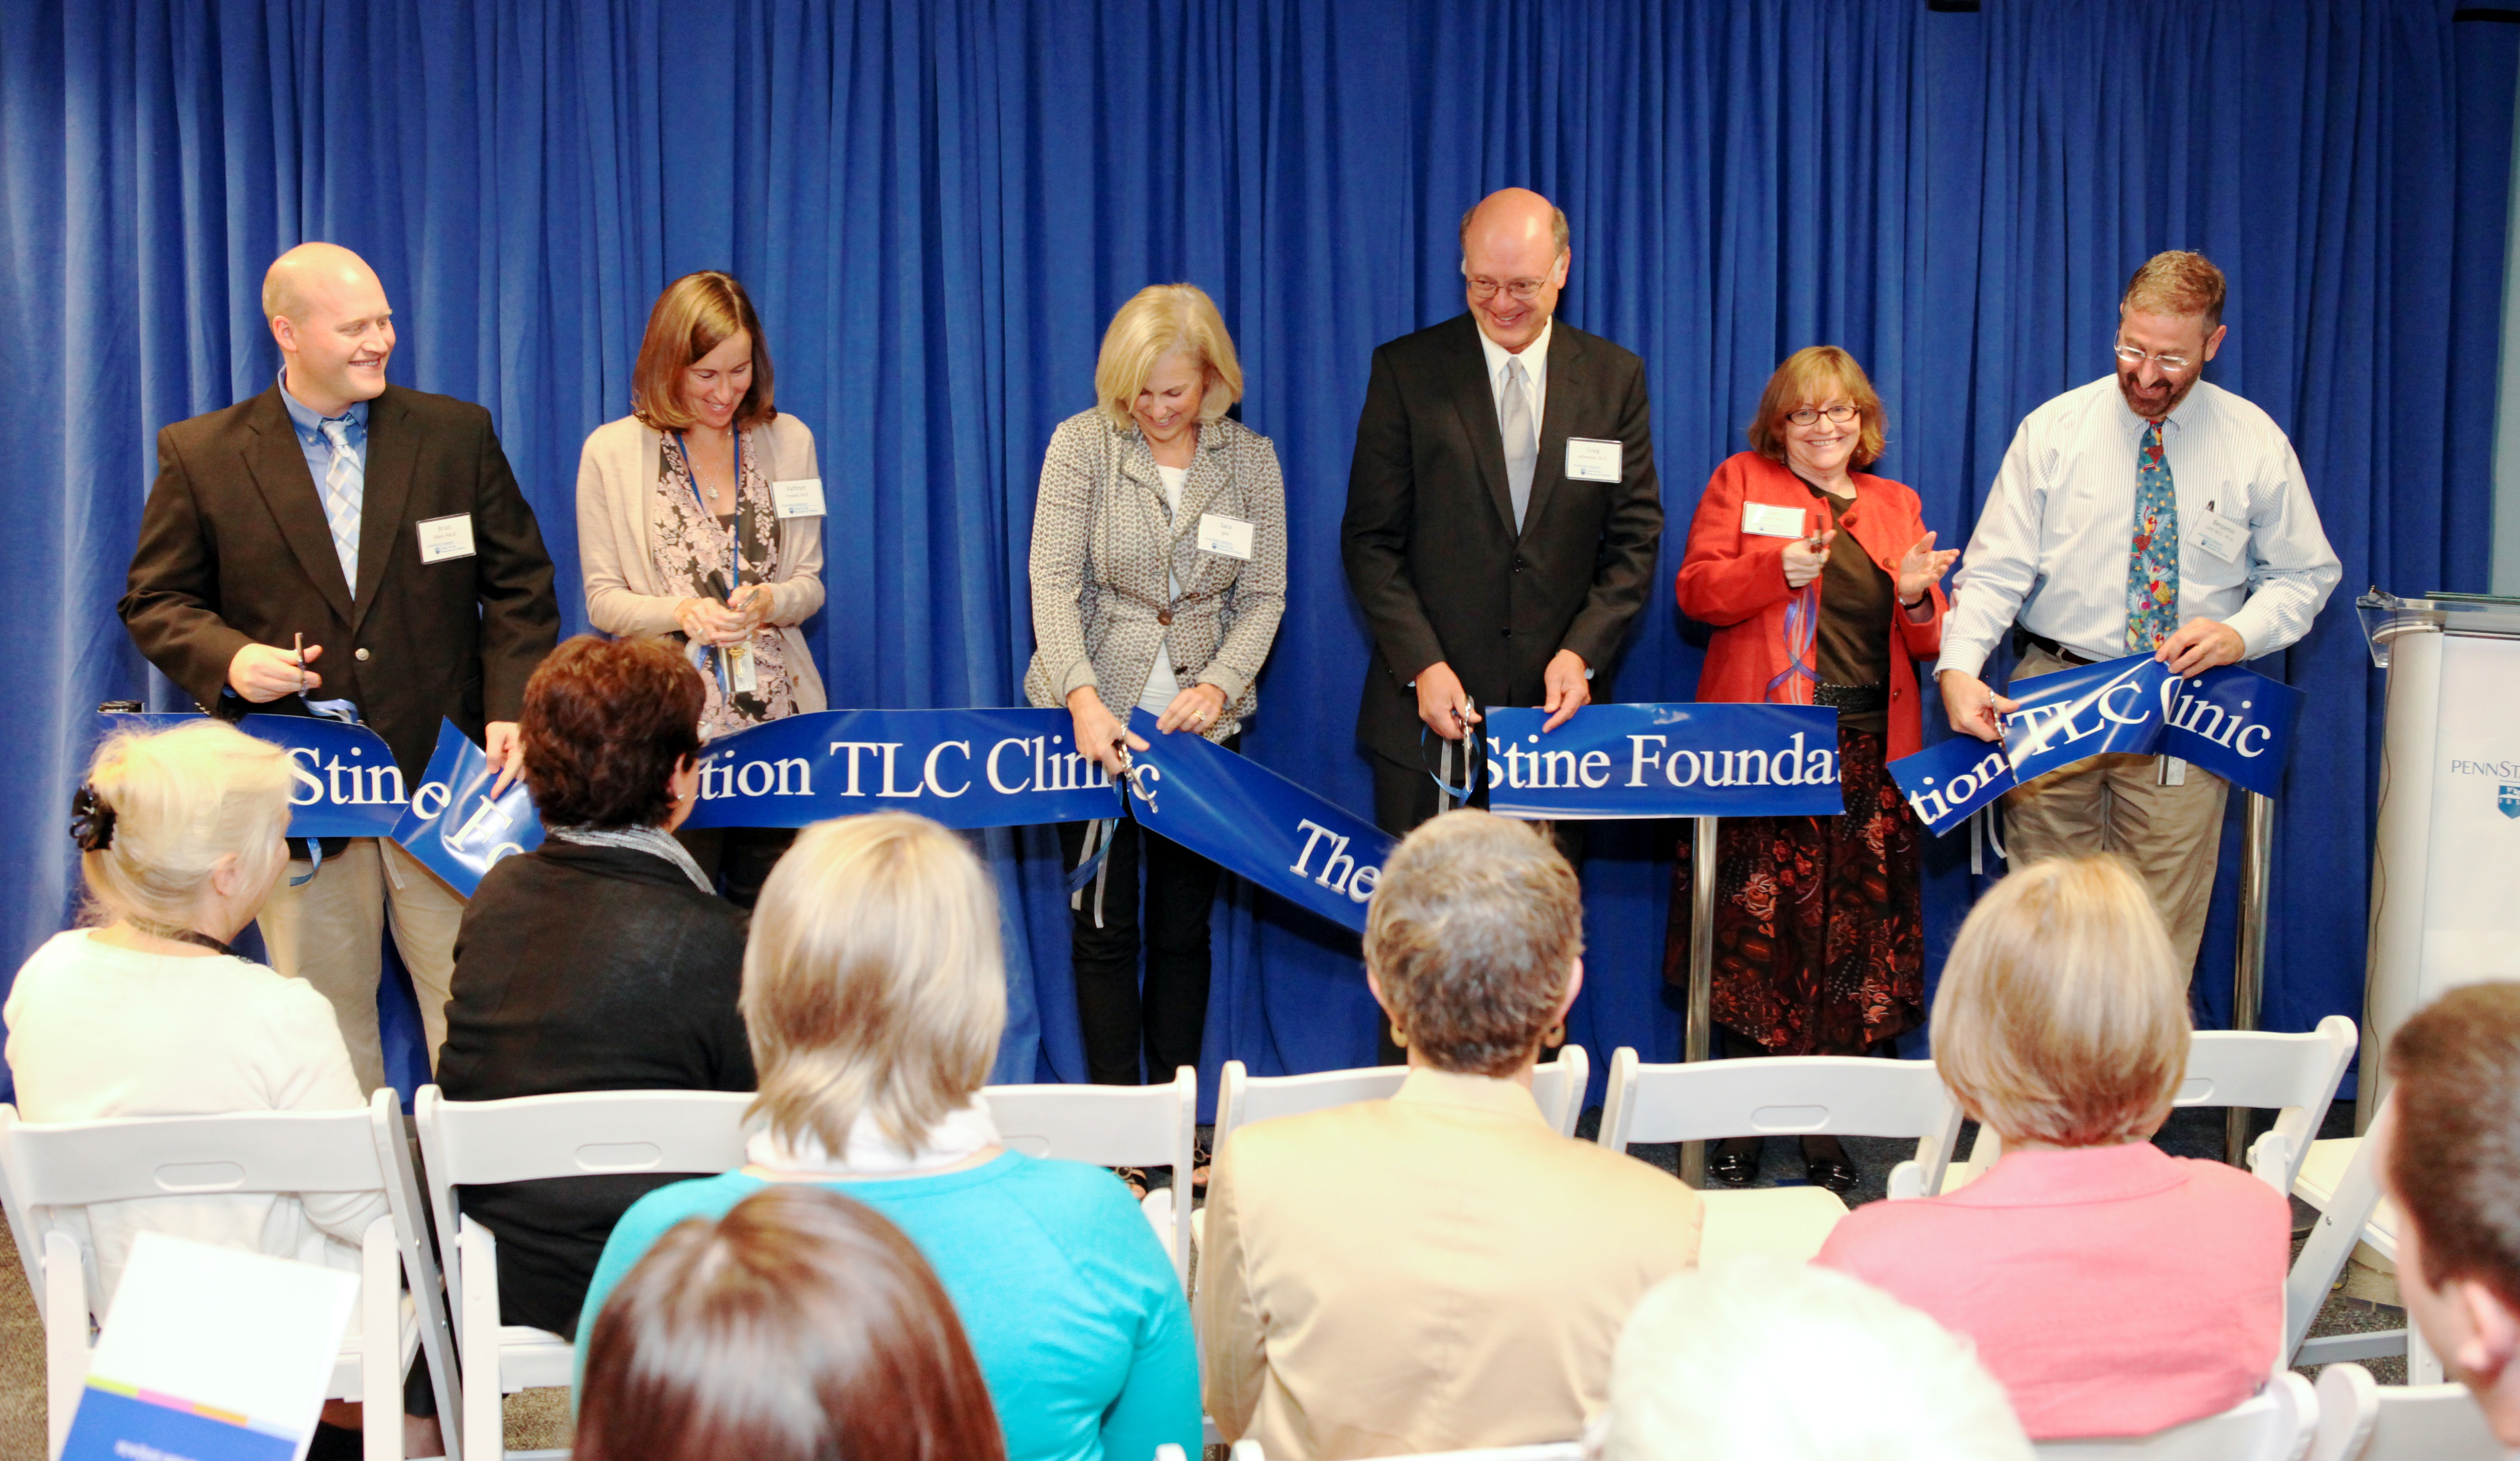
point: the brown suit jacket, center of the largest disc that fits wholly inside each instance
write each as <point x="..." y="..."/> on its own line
<point x="233" y="550"/>
<point x="1430" y="540"/>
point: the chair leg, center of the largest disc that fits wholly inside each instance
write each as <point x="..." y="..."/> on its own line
<point x="379" y="1343"/>
<point x="66" y="1351"/>
<point x="484" y="1416"/>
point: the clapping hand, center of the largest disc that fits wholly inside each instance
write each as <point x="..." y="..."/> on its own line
<point x="1805" y="557"/>
<point x="1923" y="569"/>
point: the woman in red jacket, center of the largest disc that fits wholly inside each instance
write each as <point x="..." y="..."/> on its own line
<point x="1821" y="584"/>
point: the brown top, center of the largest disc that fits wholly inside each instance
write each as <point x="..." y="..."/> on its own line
<point x="1855" y="602"/>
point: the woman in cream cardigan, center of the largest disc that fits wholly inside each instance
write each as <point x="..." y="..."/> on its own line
<point x="699" y="518"/>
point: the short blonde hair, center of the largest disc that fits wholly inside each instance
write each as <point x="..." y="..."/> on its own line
<point x="873" y="980"/>
<point x="1474" y="928"/>
<point x="2176" y="283"/>
<point x="694" y="315"/>
<point x="2062" y="1014"/>
<point x="1164" y="318"/>
<point x="184" y="798"/>
<point x="1808" y="377"/>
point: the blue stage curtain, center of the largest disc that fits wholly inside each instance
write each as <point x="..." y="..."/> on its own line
<point x="937" y="205"/>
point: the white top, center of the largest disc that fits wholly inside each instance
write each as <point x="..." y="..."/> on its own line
<point x="2051" y="543"/>
<point x="1162" y="684"/>
<point x="98" y="1031"/>
<point x="1535" y="363"/>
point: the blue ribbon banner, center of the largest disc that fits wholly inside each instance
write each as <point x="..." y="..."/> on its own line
<point x="345" y="780"/>
<point x="963" y="768"/>
<point x="454" y="825"/>
<point x="2229" y="721"/>
<point x="1251" y="821"/>
<point x="1665" y="760"/>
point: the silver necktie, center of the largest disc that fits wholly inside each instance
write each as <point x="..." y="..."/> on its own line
<point x="1521" y="438"/>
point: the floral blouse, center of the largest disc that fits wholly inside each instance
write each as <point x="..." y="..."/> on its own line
<point x="691" y="544"/>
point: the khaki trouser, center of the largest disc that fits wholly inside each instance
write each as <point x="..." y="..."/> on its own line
<point x="2169" y="836"/>
<point x="330" y="934"/>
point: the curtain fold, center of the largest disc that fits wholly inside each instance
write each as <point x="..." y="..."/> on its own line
<point x="937" y="205"/>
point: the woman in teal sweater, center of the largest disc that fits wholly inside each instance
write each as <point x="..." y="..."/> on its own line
<point x="874" y="994"/>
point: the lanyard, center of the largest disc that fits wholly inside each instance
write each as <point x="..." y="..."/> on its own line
<point x="734" y="537"/>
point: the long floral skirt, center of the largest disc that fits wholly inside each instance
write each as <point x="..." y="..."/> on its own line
<point x="1820" y="931"/>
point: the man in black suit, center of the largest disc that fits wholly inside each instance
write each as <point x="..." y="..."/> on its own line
<point x="1502" y="512"/>
<point x="383" y="529"/>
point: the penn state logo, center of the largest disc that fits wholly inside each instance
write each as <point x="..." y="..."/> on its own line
<point x="2508" y="799"/>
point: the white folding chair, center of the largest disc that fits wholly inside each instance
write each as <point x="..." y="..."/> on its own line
<point x="2360" y="1421"/>
<point x="1114" y="1126"/>
<point x="1243" y="1098"/>
<point x="2273" y="1425"/>
<point x="2293" y="1075"/>
<point x="47" y="1167"/>
<point x="1563" y="1451"/>
<point x="529" y="1138"/>
<point x="1789" y="1095"/>
<point x="2338" y="1180"/>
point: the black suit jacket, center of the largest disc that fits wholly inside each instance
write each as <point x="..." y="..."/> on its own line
<point x="233" y="550"/>
<point x="1430" y="540"/>
<point x="586" y="968"/>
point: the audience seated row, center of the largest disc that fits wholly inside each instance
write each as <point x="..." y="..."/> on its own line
<point x="1438" y="1270"/>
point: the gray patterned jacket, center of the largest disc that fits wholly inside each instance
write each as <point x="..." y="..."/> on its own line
<point x="1100" y="544"/>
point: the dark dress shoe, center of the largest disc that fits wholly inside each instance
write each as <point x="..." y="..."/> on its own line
<point x="1836" y="1173"/>
<point x="1734" y="1161"/>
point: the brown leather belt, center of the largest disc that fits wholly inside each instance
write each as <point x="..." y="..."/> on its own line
<point x="2022" y="637"/>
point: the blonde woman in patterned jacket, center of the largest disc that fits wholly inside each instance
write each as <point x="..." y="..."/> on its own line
<point x="1158" y="575"/>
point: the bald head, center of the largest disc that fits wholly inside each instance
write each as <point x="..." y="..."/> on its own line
<point x="1514" y="258"/>
<point x="329" y="314"/>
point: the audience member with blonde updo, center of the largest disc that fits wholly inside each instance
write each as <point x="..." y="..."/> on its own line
<point x="1726" y="1361"/>
<point x="2114" y="1288"/>
<point x="149" y="1013"/>
<point x="799" y="1326"/>
<point x="1442" y="1270"/>
<point x="874" y="996"/>
<point x="146" y="1013"/>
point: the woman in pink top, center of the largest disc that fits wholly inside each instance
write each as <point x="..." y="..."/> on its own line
<point x="2114" y="1288"/>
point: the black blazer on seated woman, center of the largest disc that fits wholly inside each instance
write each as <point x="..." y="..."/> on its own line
<point x="586" y="968"/>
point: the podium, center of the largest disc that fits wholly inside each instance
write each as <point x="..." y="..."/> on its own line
<point x="2448" y="837"/>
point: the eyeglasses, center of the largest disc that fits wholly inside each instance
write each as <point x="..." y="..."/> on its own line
<point x="2171" y="364"/>
<point x="1524" y="291"/>
<point x="1837" y="415"/>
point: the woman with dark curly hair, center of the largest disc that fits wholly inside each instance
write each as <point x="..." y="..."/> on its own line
<point x="602" y="960"/>
<point x="1822" y="585"/>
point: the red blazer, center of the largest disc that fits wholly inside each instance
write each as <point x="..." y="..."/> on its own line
<point x="1737" y="582"/>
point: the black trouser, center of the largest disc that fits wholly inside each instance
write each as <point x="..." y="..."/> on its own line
<point x="1168" y="1021"/>
<point x="743" y="855"/>
<point x="1405" y="796"/>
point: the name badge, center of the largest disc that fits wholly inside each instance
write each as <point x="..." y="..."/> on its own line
<point x="1766" y="520"/>
<point x="2220" y="535"/>
<point x="442" y="538"/>
<point x="798" y="497"/>
<point x="741" y="669"/>
<point x="1230" y="537"/>
<point x="1590" y="460"/>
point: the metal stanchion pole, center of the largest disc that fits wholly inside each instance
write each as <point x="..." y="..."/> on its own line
<point x="2249" y="959"/>
<point x="1696" y="1039"/>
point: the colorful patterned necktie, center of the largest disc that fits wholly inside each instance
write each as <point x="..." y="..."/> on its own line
<point x="2153" y="562"/>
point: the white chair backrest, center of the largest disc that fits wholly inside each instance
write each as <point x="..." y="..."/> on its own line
<point x="1559" y="1086"/>
<point x="1112" y="1125"/>
<point x="2360" y="1421"/>
<point x="2273" y="1425"/>
<point x="2293" y="1075"/>
<point x="74" y="1163"/>
<point x="1561" y="1450"/>
<point x="1786" y="1094"/>
<point x="1243" y="1098"/>
<point x="575" y="1134"/>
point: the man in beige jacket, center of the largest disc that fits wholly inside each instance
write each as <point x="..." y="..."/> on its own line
<point x="1442" y="1270"/>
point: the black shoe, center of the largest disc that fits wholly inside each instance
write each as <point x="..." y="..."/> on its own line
<point x="1828" y="1167"/>
<point x="1734" y="1161"/>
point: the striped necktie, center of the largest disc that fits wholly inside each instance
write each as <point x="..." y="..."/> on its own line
<point x="346" y="487"/>
<point x="2152" y="560"/>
